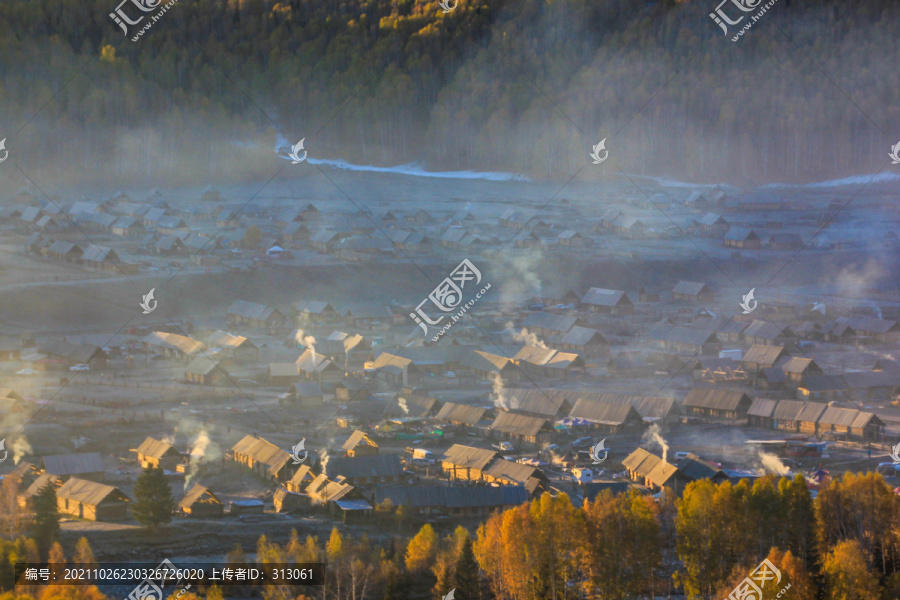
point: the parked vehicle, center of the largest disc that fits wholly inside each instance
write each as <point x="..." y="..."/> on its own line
<point x="26" y="372"/>
<point x="583" y="442"/>
<point x="504" y="447"/>
<point x="81" y="367"/>
<point x="423" y="456"/>
<point x="582" y="475"/>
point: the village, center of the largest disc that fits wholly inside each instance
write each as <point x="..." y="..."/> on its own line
<point x="336" y="409"/>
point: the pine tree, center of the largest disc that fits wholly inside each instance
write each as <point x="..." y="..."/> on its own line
<point x="153" y="502"/>
<point x="45" y="528"/>
<point x="466" y="580"/>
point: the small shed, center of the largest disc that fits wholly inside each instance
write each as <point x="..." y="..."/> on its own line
<point x="201" y="502"/>
<point x="246" y="507"/>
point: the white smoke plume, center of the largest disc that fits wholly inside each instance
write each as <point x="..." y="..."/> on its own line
<point x="524" y="336"/>
<point x="21" y="448"/>
<point x="773" y="464"/>
<point x="653" y="435"/>
<point x="307" y="341"/>
<point x="499" y="393"/>
<point x="855" y="282"/>
<point x="523" y="281"/>
<point x="202" y="447"/>
<point x="401" y="402"/>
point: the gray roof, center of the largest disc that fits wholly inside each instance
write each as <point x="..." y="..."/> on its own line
<point x="452" y="412"/>
<point x="682" y="335"/>
<point x="696" y="468"/>
<point x="648" y="407"/>
<point x="469" y="457"/>
<point x="358" y="438"/>
<point x="89" y="492"/>
<point x="811" y="412"/>
<point x="155" y="448"/>
<point x="824" y="383"/>
<point x="604" y="413"/>
<point x="519" y="424"/>
<point x="545" y="320"/>
<point x="847" y="417"/>
<point x="203" y="365"/>
<point x="125" y="222"/>
<point x="762" y="407"/>
<point x="513" y="472"/>
<point x="716" y="399"/>
<point x="763" y="329"/>
<point x="95" y="253"/>
<point x="868" y="324"/>
<point x="314" y="307"/>
<point x="63" y="247"/>
<point x="485" y="361"/>
<point x="581" y="336"/>
<point x="196" y="494"/>
<point x="739" y="234"/>
<point x="763" y="355"/>
<point x="872" y="379"/>
<point x="798" y="365"/>
<point x="548" y="403"/>
<point x="73" y="464"/>
<point x="788" y="410"/>
<point x="262" y="451"/>
<point x="357" y="467"/>
<point x="604" y="297"/>
<point x="251" y="310"/>
<point x="711" y="219"/>
<point x="690" y="288"/>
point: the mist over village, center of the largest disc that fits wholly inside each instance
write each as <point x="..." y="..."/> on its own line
<point x="449" y="300"/>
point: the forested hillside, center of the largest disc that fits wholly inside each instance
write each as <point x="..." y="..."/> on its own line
<point x="810" y="92"/>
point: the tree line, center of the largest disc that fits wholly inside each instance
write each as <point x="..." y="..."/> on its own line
<point x="844" y="544"/>
<point x="525" y="86"/>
